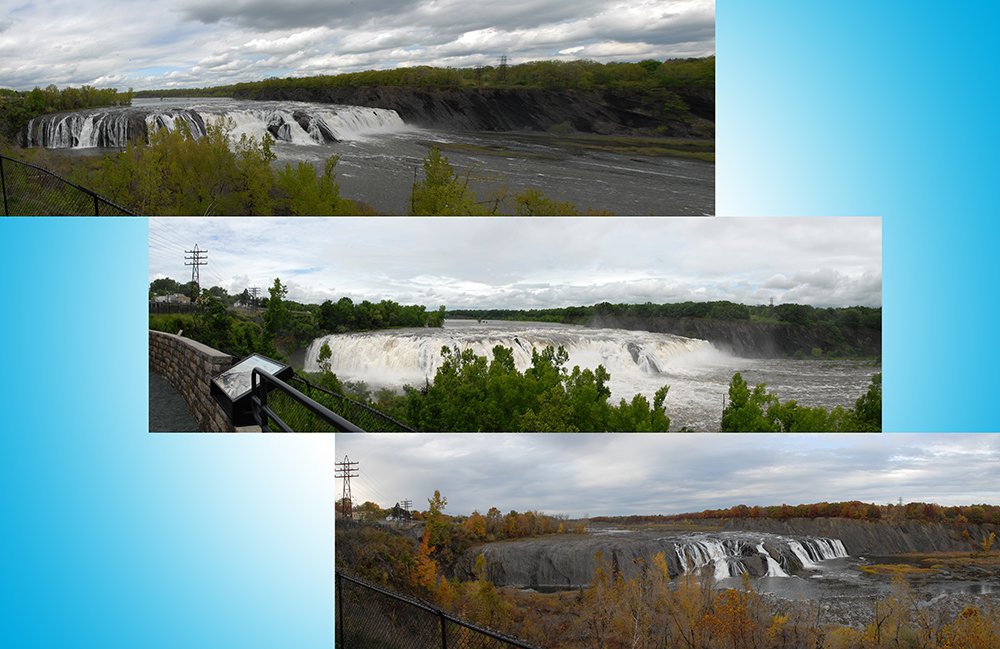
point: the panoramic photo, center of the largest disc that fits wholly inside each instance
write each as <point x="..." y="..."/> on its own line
<point x="319" y="108"/>
<point x="600" y="324"/>
<point x="643" y="541"/>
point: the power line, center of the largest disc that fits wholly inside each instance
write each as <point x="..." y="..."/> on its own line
<point x="346" y="470"/>
<point x="197" y="260"/>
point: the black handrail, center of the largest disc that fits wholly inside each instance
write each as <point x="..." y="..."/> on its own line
<point x="262" y="381"/>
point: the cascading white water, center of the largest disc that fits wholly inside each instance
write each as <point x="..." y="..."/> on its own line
<point x="292" y="122"/>
<point x="728" y="556"/>
<point x="773" y="567"/>
<point x="698" y="554"/>
<point x="412" y="356"/>
<point x="802" y="554"/>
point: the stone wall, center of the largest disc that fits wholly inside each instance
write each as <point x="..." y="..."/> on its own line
<point x="188" y="366"/>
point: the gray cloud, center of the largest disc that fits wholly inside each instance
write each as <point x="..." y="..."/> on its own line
<point x="666" y="474"/>
<point x="538" y="263"/>
<point x="194" y="44"/>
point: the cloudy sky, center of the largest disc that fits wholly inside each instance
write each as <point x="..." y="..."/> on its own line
<point x="621" y="474"/>
<point x="198" y="43"/>
<point x="520" y="263"/>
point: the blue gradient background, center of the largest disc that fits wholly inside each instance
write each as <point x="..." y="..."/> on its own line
<point x="113" y="537"/>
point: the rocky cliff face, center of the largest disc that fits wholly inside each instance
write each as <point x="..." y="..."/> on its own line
<point x="875" y="537"/>
<point x="750" y="339"/>
<point x="757" y="547"/>
<point x="516" y="109"/>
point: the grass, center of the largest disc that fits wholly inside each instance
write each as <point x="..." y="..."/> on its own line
<point x="931" y="562"/>
<point x="904" y="569"/>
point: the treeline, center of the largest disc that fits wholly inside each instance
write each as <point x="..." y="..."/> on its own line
<point x="717" y="310"/>
<point x="795" y="314"/>
<point x="759" y="411"/>
<point x="17" y="108"/>
<point x="448" y="537"/>
<point x="647" y="75"/>
<point x="283" y="325"/>
<point x="649" y="610"/>
<point x="215" y="91"/>
<point x="855" y="509"/>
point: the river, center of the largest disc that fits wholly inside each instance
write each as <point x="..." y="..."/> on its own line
<point x="639" y="363"/>
<point x="381" y="155"/>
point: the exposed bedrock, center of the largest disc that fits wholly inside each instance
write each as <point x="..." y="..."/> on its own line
<point x="752" y="339"/>
<point x="516" y="109"/>
<point x="882" y="537"/>
<point x="754" y="546"/>
<point x="569" y="561"/>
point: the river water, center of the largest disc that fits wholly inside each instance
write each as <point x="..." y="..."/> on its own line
<point x="381" y="156"/>
<point x="639" y="363"/>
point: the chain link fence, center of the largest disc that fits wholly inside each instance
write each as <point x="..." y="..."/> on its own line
<point x="359" y="414"/>
<point x="371" y="617"/>
<point x="30" y="190"/>
<point x="301" y="419"/>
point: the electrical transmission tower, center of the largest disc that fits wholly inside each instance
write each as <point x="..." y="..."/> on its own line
<point x="197" y="258"/>
<point x="503" y="68"/>
<point x="346" y="470"/>
<point x="253" y="294"/>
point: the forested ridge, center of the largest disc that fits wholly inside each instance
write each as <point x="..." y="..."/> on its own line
<point x="273" y="325"/>
<point x="854" y="509"/>
<point x="794" y="330"/>
<point x="582" y="74"/>
<point x="17" y="107"/>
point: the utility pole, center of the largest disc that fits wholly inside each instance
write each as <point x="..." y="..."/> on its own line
<point x="198" y="258"/>
<point x="346" y="470"/>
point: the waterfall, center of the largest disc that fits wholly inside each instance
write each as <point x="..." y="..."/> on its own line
<point x="291" y="122"/>
<point x="400" y="356"/>
<point x="773" y="567"/>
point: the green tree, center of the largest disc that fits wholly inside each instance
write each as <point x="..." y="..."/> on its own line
<point x="745" y="411"/>
<point x="442" y="192"/>
<point x="277" y="315"/>
<point x="868" y="407"/>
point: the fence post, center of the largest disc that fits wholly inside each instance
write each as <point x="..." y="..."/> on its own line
<point x="340" y="612"/>
<point x="3" y="183"/>
<point x="444" y="638"/>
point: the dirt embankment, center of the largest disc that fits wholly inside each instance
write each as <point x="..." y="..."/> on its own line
<point x="606" y="112"/>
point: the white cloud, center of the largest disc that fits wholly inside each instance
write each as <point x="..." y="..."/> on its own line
<point x="198" y="44"/>
<point x="539" y="263"/>
<point x="605" y="474"/>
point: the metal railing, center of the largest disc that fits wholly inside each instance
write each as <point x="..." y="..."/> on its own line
<point x="263" y="382"/>
<point x="369" y="616"/>
<point x="368" y="418"/>
<point x="30" y="190"/>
